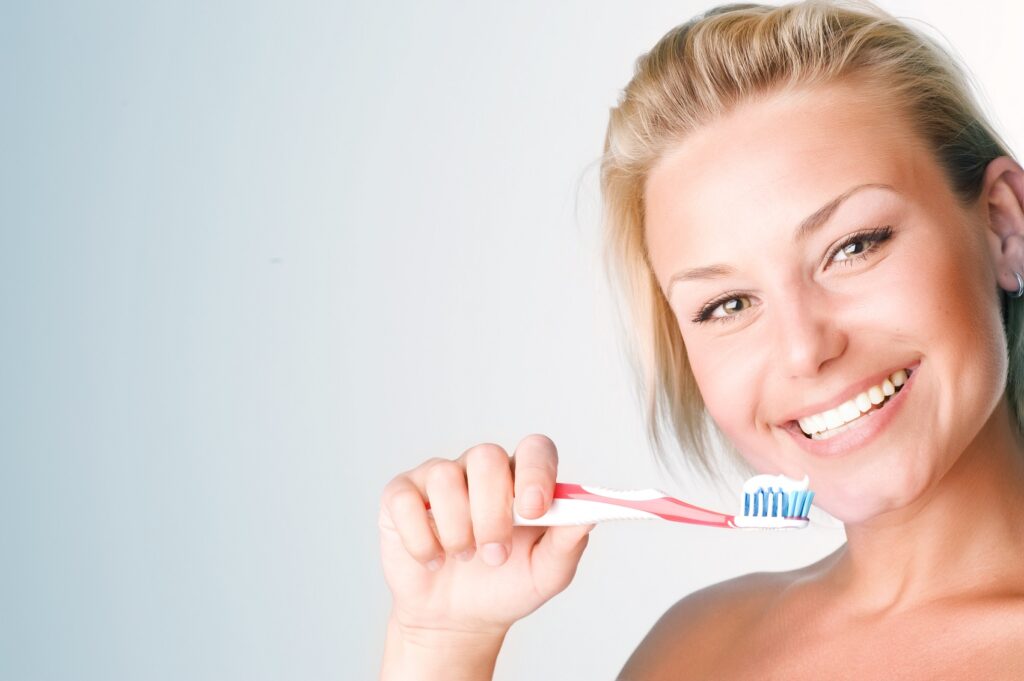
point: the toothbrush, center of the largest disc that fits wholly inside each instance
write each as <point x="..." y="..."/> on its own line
<point x="769" y="502"/>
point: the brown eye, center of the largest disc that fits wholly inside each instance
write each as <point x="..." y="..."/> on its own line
<point x="731" y="306"/>
<point x="867" y="243"/>
<point x="850" y="249"/>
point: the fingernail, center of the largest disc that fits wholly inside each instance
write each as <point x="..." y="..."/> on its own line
<point x="493" y="553"/>
<point x="434" y="565"/>
<point x="533" y="499"/>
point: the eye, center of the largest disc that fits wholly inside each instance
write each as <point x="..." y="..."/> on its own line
<point x="873" y="238"/>
<point x="726" y="303"/>
<point x="847" y="249"/>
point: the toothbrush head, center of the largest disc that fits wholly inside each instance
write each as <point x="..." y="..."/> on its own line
<point x="775" y="502"/>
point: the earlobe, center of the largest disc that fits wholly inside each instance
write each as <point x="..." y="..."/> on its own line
<point x="1003" y="197"/>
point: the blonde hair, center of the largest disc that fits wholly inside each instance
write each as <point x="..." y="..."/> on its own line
<point x="700" y="70"/>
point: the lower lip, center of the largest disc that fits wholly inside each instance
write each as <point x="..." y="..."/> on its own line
<point x="862" y="433"/>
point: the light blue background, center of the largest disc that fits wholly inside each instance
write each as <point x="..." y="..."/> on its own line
<point x="258" y="258"/>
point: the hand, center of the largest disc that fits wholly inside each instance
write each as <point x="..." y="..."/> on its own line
<point x="470" y="572"/>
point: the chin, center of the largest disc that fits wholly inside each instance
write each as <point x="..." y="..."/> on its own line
<point x="853" y="513"/>
<point x="854" y="504"/>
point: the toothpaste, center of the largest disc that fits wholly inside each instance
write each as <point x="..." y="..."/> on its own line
<point x="779" y="482"/>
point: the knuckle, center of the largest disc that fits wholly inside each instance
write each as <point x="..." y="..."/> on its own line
<point x="389" y="489"/>
<point x="540" y="441"/>
<point x="430" y="463"/>
<point x="486" y="454"/>
<point x="537" y="451"/>
<point x="393" y="486"/>
<point x="444" y="472"/>
<point x="402" y="498"/>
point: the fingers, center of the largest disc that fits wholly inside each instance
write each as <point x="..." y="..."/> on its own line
<point x="470" y="501"/>
<point x="403" y="504"/>
<point x="489" y="479"/>
<point x="534" y="465"/>
<point x="449" y="504"/>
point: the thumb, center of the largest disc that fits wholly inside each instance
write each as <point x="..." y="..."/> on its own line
<point x="556" y="555"/>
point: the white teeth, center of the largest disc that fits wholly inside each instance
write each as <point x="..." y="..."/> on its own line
<point x="851" y="410"/>
<point x="848" y="411"/>
<point x="833" y="419"/>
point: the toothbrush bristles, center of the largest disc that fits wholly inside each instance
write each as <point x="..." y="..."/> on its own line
<point x="777" y="503"/>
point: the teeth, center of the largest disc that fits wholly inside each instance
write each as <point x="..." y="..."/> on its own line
<point x="837" y="418"/>
<point x="833" y="419"/>
<point x="888" y="388"/>
<point x="849" y="411"/>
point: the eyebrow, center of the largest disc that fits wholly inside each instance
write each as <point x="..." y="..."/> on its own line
<point x="804" y="230"/>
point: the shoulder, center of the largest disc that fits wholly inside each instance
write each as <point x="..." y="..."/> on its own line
<point x="693" y="629"/>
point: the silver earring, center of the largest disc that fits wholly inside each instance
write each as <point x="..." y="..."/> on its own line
<point x="1020" y="285"/>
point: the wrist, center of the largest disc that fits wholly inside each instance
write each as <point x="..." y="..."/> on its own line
<point x="419" y="654"/>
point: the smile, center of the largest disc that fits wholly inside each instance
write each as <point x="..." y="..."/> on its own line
<point x="832" y="421"/>
<point x="862" y="428"/>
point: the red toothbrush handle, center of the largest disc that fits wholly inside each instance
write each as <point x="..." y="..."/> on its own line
<point x="574" y="504"/>
<point x="666" y="507"/>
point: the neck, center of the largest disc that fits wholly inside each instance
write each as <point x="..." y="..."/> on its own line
<point x="964" y="535"/>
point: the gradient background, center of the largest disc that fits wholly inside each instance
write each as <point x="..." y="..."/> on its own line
<point x="260" y="257"/>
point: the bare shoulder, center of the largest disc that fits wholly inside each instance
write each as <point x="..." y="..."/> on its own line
<point x="691" y="632"/>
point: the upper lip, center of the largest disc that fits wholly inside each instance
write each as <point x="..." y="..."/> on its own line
<point x="846" y="394"/>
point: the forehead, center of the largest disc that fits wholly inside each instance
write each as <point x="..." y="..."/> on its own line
<point x="768" y="164"/>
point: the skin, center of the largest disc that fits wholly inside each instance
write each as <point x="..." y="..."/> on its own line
<point x="449" y="618"/>
<point x="934" y="506"/>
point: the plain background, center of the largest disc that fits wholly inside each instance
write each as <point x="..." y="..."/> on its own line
<point x="260" y="257"/>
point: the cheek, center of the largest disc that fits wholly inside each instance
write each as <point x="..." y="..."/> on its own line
<point x="959" y="313"/>
<point x="724" y="384"/>
<point x="732" y="404"/>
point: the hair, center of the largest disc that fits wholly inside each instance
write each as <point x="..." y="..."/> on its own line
<point x="702" y="69"/>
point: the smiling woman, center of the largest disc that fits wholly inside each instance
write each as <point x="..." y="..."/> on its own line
<point x="821" y="242"/>
<point x="689" y="104"/>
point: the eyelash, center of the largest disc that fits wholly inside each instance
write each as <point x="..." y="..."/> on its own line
<point x="875" y="237"/>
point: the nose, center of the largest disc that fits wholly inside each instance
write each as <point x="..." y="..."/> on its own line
<point x="809" y="331"/>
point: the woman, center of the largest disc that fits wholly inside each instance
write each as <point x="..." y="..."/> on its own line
<point x="802" y="201"/>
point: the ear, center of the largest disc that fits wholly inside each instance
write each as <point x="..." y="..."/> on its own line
<point x="1002" y="203"/>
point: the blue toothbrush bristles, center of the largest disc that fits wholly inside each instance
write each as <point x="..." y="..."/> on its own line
<point x="777" y="503"/>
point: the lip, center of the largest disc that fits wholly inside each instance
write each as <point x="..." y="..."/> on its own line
<point x="848" y="394"/>
<point x="871" y="425"/>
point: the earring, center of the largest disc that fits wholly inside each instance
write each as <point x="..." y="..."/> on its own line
<point x="1020" y="286"/>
